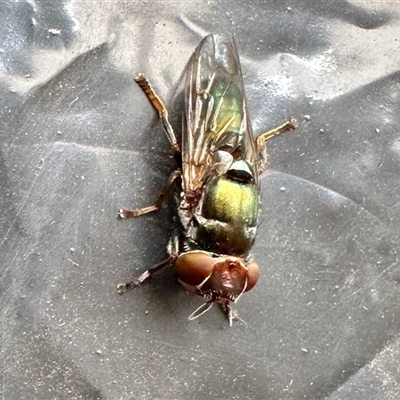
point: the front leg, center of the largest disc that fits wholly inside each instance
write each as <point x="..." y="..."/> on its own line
<point x="125" y="287"/>
<point x="173" y="253"/>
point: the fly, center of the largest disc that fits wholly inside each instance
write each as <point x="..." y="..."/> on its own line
<point x="216" y="183"/>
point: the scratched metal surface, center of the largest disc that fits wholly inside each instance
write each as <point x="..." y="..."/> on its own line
<point x="79" y="140"/>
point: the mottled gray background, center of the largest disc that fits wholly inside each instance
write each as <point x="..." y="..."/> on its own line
<point x="78" y="140"/>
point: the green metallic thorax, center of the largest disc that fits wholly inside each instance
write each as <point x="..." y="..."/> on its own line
<point x="230" y="211"/>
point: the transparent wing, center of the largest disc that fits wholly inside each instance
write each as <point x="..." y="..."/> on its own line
<point x="216" y="128"/>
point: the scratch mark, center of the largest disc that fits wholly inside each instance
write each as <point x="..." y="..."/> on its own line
<point x="22" y="205"/>
<point x="328" y="191"/>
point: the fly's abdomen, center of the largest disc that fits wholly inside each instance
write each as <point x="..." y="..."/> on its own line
<point x="229" y="216"/>
<point x="228" y="114"/>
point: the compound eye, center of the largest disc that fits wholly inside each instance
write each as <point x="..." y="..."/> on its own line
<point x="194" y="267"/>
<point x="252" y="275"/>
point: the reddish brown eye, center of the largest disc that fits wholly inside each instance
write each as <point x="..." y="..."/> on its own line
<point x="252" y="275"/>
<point x="194" y="267"/>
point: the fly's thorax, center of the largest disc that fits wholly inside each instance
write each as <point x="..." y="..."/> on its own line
<point x="216" y="277"/>
<point x="227" y="220"/>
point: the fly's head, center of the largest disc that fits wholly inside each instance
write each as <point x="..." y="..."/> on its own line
<point x="216" y="278"/>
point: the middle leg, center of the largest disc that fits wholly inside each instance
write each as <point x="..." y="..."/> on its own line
<point x="124" y="213"/>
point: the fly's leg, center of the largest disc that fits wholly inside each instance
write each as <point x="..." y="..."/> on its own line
<point x="261" y="141"/>
<point x="123" y="213"/>
<point x="173" y="252"/>
<point x="158" y="105"/>
<point x="125" y="287"/>
<point x="287" y="126"/>
<point x="230" y="313"/>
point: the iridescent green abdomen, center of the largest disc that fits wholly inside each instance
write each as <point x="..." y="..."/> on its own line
<point x="229" y="109"/>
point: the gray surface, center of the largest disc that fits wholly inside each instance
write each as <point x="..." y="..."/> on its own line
<point x="79" y="140"/>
